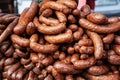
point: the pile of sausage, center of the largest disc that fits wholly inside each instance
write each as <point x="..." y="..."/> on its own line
<point x="54" y="40"/>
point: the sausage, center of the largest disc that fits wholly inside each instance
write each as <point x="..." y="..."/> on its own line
<point x="57" y="75"/>
<point x="30" y="14"/>
<point x="13" y="68"/>
<point x="47" y="61"/>
<point x="24" y="61"/>
<point x="114" y="59"/>
<point x="47" y="12"/>
<point x="86" y="49"/>
<point x="13" y="76"/>
<point x="56" y="6"/>
<point x="65" y="68"/>
<point x="76" y="12"/>
<point x="98" y="44"/>
<point x="8" y="18"/>
<point x="73" y="27"/>
<point x="108" y="39"/>
<point x="77" y="34"/>
<point x="48" y="21"/>
<point x="116" y="48"/>
<point x="34" y="57"/>
<point x="61" y="17"/>
<point x="48" y="48"/>
<point x="109" y="28"/>
<point x="20" y="74"/>
<point x="113" y="20"/>
<point x="98" y="70"/>
<point x="85" y="42"/>
<point x="97" y="18"/>
<point x="83" y="64"/>
<point x="20" y="40"/>
<point x="72" y="19"/>
<point x="69" y="3"/>
<point x="60" y="38"/>
<point x="49" y="29"/>
<point x="8" y="30"/>
<point x="75" y="57"/>
<point x="4" y="46"/>
<point x="85" y="10"/>
<point x="117" y="39"/>
<point x="9" y="61"/>
<point x="10" y="51"/>
<point x="108" y="76"/>
<point x="23" y="14"/>
<point x="21" y="53"/>
<point x="30" y="29"/>
<point x="43" y="48"/>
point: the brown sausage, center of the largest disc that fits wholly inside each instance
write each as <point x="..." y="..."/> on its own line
<point x="61" y="17"/>
<point x="47" y="61"/>
<point x="48" y="21"/>
<point x="60" y="38"/>
<point x="34" y="57"/>
<point x="86" y="49"/>
<point x="85" y="10"/>
<point x="49" y="29"/>
<point x="13" y="68"/>
<point x="98" y="44"/>
<point x="54" y="5"/>
<point x="117" y="39"/>
<point x="83" y="64"/>
<point x="113" y="19"/>
<point x="97" y="18"/>
<point x="77" y="34"/>
<point x="47" y="12"/>
<point x="48" y="48"/>
<point x="69" y="3"/>
<point x="108" y="76"/>
<point x="30" y="29"/>
<point x="65" y="68"/>
<point x="116" y="48"/>
<point x="20" y="74"/>
<point x="20" y="40"/>
<point x="73" y="27"/>
<point x="30" y="14"/>
<point x="71" y="19"/>
<point x="108" y="39"/>
<point x="98" y="70"/>
<point x="109" y="28"/>
<point x="114" y="59"/>
<point x="8" y="30"/>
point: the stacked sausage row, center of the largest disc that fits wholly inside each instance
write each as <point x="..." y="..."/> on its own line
<point x="55" y="41"/>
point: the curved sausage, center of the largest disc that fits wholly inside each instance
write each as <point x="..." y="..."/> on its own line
<point x="56" y="6"/>
<point x="49" y="29"/>
<point x="20" y="40"/>
<point x="8" y="30"/>
<point x="83" y="64"/>
<point x="48" y="48"/>
<point x="61" y="67"/>
<point x="60" y="38"/>
<point x="98" y="44"/>
<point x="97" y="18"/>
<point x="109" y="28"/>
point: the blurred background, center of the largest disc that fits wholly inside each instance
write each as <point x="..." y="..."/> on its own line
<point x="107" y="7"/>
